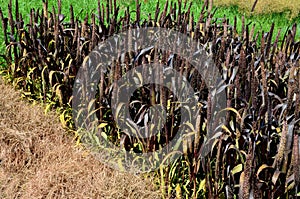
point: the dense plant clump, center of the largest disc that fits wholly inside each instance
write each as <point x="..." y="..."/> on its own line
<point x="257" y="151"/>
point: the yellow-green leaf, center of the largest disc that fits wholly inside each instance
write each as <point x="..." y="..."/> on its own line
<point x="238" y="168"/>
<point x="102" y="125"/>
<point x="202" y="184"/>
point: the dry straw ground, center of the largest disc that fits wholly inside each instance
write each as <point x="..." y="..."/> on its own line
<point x="39" y="160"/>
<point x="292" y="7"/>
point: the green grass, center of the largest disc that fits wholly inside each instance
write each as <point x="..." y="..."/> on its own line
<point x="262" y="22"/>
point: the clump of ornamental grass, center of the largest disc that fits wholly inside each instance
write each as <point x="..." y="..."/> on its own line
<point x="254" y="152"/>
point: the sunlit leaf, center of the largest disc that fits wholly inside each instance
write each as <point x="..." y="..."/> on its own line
<point x="238" y="168"/>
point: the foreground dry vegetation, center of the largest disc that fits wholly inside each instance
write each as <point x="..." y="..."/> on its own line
<point x="38" y="159"/>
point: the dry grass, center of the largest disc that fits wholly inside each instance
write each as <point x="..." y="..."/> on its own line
<point x="38" y="159"/>
<point x="265" y="6"/>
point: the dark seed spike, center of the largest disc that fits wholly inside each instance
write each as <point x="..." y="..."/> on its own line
<point x="227" y="60"/>
<point x="110" y="7"/>
<point x="191" y="24"/>
<point x="296" y="160"/>
<point x="45" y="8"/>
<point x="242" y="70"/>
<point x="21" y="20"/>
<point x="269" y="115"/>
<point x="288" y="43"/>
<point x="115" y="17"/>
<point x="209" y="114"/>
<point x="171" y="9"/>
<point x="111" y="28"/>
<point x="59" y="7"/>
<point x="157" y="11"/>
<point x="184" y="5"/>
<point x="150" y="23"/>
<point x="36" y="16"/>
<point x="183" y="24"/>
<point x="225" y="25"/>
<point x="294" y="32"/>
<point x="45" y="23"/>
<point x="17" y="10"/>
<point x="218" y="165"/>
<point x="50" y="22"/>
<point x="201" y="17"/>
<point x="208" y="20"/>
<point x="99" y="11"/>
<point x="270" y="35"/>
<point x="203" y="10"/>
<point x="4" y="26"/>
<point x="13" y="39"/>
<point x="116" y="9"/>
<point x="130" y="50"/>
<point x="103" y="15"/>
<point x="297" y="101"/>
<point x="284" y="39"/>
<point x="101" y="94"/>
<point x="237" y="93"/>
<point x="55" y="29"/>
<point x="256" y="37"/>
<point x="262" y="49"/>
<point x="75" y="33"/>
<point x="10" y="18"/>
<point x="292" y="39"/>
<point x="41" y="27"/>
<point x="187" y="16"/>
<point x="93" y="40"/>
<point x="234" y="26"/>
<point x="189" y="8"/>
<point x="164" y="13"/>
<point x="264" y="78"/>
<point x="84" y="28"/>
<point x="253" y="86"/>
<point x="78" y="54"/>
<point x="275" y="48"/>
<point x="72" y="23"/>
<point x="40" y="54"/>
<point x="127" y="18"/>
<point x="117" y="71"/>
<point x="209" y="6"/>
<point x="277" y="70"/>
<point x="252" y="33"/>
<point x="174" y="11"/>
<point x="243" y="26"/>
<point x="137" y="11"/>
<point x="107" y="12"/>
<point x="179" y="12"/>
<point x="290" y="91"/>
<point x="31" y="24"/>
<point x="246" y="38"/>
